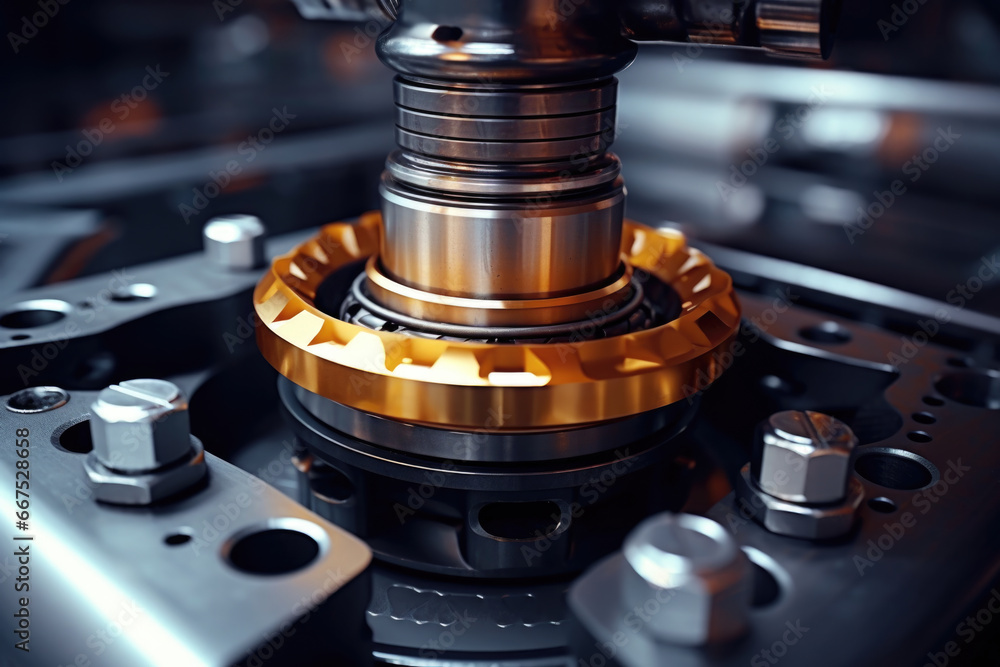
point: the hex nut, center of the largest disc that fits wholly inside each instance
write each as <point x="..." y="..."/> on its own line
<point x="235" y="242"/>
<point x="140" y="425"/>
<point x="803" y="457"/>
<point x="689" y="577"/>
<point x="811" y="522"/>
<point x="144" y="489"/>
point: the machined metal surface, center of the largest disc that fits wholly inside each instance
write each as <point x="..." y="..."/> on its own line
<point x="169" y="586"/>
<point x="235" y="242"/>
<point x="803" y="457"/>
<point x="140" y="425"/>
<point x="486" y="444"/>
<point x="693" y="568"/>
<point x="456" y="384"/>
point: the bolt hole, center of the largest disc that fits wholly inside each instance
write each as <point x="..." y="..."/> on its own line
<point x="895" y="469"/>
<point x="446" y="33"/>
<point x="20" y="337"/>
<point x="933" y="400"/>
<point x="766" y="589"/>
<point x="37" y="313"/>
<point x="882" y="505"/>
<point x="76" y="439"/>
<point x="136" y="292"/>
<point x="980" y="389"/>
<point x="273" y="551"/>
<point x="37" y="399"/>
<point x="924" y="418"/>
<point x="829" y="333"/>
<point x="520" y="520"/>
<point x="176" y="539"/>
<point x="920" y="436"/>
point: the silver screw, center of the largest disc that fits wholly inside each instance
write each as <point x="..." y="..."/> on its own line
<point x="803" y="457"/>
<point x="235" y="242"/>
<point x="140" y="426"/>
<point x="689" y="577"/>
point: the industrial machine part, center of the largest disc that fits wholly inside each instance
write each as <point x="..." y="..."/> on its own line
<point x="496" y="381"/>
<point x="799" y="482"/>
<point x="500" y="310"/>
<point x="232" y="573"/>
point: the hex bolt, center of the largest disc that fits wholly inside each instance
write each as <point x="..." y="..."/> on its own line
<point x="689" y="577"/>
<point x="235" y="242"/>
<point x="803" y="457"/>
<point x="140" y="426"/>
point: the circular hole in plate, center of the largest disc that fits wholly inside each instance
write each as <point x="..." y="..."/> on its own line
<point x="895" y="469"/>
<point x="829" y="333"/>
<point x="136" y="292"/>
<point x="76" y="438"/>
<point x="176" y="539"/>
<point x="932" y="400"/>
<point x="924" y="417"/>
<point x="279" y="547"/>
<point x="922" y="437"/>
<point x="36" y="313"/>
<point x="979" y="388"/>
<point x="20" y="337"/>
<point x="37" y="399"/>
<point x="882" y="505"/>
<point x="446" y="33"/>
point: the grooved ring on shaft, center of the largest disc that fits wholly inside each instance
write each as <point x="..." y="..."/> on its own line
<point x="499" y="102"/>
<point x="469" y="386"/>
<point x="496" y="312"/>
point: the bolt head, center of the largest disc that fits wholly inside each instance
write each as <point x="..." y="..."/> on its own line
<point x="140" y="425"/>
<point x="803" y="457"/>
<point x="235" y="242"/>
<point x="689" y="577"/>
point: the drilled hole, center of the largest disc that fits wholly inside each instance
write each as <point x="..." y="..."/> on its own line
<point x="933" y="400"/>
<point x="446" y="33"/>
<point x="980" y="389"/>
<point x="882" y="505"/>
<point x="136" y="292"/>
<point x="924" y="418"/>
<point x="920" y="436"/>
<point x="829" y="333"/>
<point x="177" y="539"/>
<point x="273" y="551"/>
<point x="37" y="313"/>
<point x="76" y="438"/>
<point x="902" y="470"/>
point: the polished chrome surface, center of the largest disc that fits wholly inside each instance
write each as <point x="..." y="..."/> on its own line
<point x="692" y="568"/>
<point x="803" y="457"/>
<point x="140" y="425"/>
<point x="487" y="444"/>
<point x="235" y="242"/>
<point x="496" y="248"/>
<point x="107" y="586"/>
<point x="809" y="522"/>
<point x="146" y="488"/>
